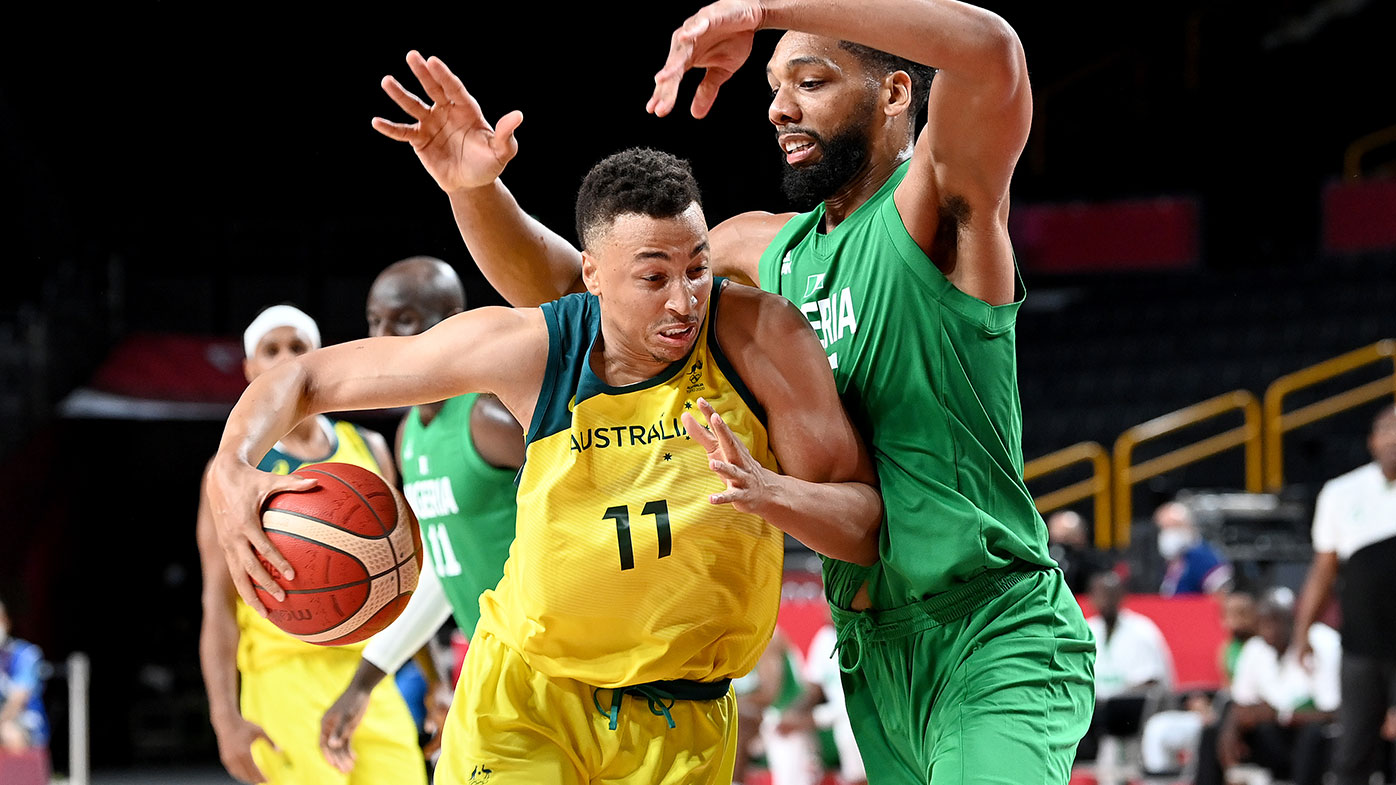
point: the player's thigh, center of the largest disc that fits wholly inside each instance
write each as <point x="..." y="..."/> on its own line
<point x="385" y="743"/>
<point x="508" y="723"/>
<point x="885" y="755"/>
<point x="1013" y="713"/>
<point x="287" y="701"/>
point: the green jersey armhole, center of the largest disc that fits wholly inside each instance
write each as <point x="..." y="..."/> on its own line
<point x="994" y="319"/>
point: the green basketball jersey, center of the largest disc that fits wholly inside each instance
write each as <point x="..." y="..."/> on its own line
<point x="464" y="505"/>
<point x="929" y="376"/>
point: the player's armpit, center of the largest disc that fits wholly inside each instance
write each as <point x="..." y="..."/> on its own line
<point x="496" y="435"/>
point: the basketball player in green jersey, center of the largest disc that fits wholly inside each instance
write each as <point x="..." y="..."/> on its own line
<point x="966" y="658"/>
<point x="458" y="460"/>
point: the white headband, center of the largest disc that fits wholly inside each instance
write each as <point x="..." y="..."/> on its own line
<point x="279" y="316"/>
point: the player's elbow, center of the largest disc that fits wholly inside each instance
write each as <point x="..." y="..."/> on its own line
<point x="1001" y="66"/>
<point x="868" y="534"/>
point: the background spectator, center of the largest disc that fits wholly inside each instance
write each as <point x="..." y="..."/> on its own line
<point x="1280" y="707"/>
<point x="1132" y="658"/>
<point x="1193" y="565"/>
<point x="1068" y="546"/>
<point x="822" y="707"/>
<point x="1355" y="529"/>
<point x="23" y="725"/>
<point x="1171" y="738"/>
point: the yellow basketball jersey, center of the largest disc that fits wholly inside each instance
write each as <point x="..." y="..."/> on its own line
<point x="260" y="642"/>
<point x="621" y="571"/>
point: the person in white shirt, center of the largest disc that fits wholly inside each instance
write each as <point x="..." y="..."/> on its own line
<point x="1281" y="707"/>
<point x="1132" y="658"/>
<point x="1355" y="531"/>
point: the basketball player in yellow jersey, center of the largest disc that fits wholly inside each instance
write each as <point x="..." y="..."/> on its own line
<point x="647" y="559"/>
<point x="286" y="684"/>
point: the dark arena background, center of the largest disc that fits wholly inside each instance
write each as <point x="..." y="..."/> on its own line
<point x="1206" y="204"/>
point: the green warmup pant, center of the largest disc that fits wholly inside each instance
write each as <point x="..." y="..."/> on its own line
<point x="992" y="682"/>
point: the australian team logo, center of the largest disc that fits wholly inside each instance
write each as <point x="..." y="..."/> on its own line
<point x="695" y="377"/>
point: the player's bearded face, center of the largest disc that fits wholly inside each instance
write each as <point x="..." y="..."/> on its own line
<point x="823" y="106"/>
<point x="844" y="155"/>
<point x="653" y="280"/>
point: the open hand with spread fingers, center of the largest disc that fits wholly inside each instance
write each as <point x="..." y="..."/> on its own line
<point x="750" y="485"/>
<point x="451" y="136"/>
<point x="717" y="39"/>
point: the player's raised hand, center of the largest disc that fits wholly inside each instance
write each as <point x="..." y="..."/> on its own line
<point x="717" y="39"/>
<point x="338" y="725"/>
<point x="237" y="493"/>
<point x="235" y="749"/>
<point x="451" y="136"/>
<point x="748" y="482"/>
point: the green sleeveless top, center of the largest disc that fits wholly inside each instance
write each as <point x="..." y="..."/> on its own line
<point x="929" y="376"/>
<point x="464" y="505"/>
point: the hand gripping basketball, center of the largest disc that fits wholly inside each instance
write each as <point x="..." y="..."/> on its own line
<point x="237" y="493"/>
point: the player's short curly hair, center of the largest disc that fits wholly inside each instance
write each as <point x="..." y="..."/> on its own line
<point x="639" y="180"/>
<point x="879" y="62"/>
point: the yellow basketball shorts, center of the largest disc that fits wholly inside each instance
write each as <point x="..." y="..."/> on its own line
<point x="289" y="698"/>
<point x="510" y="723"/>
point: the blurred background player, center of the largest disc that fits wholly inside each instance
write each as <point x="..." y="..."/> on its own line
<point x="458" y="460"/>
<point x="262" y="683"/>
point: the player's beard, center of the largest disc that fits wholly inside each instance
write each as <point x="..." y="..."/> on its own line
<point x="842" y="157"/>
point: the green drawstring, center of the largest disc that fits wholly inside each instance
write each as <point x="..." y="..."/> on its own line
<point x="660" y="702"/>
<point x="855" y="634"/>
<point x="614" y="713"/>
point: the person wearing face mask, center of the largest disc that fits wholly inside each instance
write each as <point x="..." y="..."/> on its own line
<point x="1194" y="566"/>
<point x="23" y="725"/>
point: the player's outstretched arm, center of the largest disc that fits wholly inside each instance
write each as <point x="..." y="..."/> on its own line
<point x="218" y="643"/>
<point x="387" y="651"/>
<point x="526" y="261"/>
<point x="499" y="350"/>
<point x="826" y="496"/>
<point x="979" y="116"/>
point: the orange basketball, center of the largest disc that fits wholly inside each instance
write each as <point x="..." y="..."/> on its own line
<point x="356" y="562"/>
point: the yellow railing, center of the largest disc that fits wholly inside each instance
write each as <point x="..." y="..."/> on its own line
<point x="1278" y="422"/>
<point x="1097" y="485"/>
<point x="1127" y="474"/>
<point x="1352" y="158"/>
